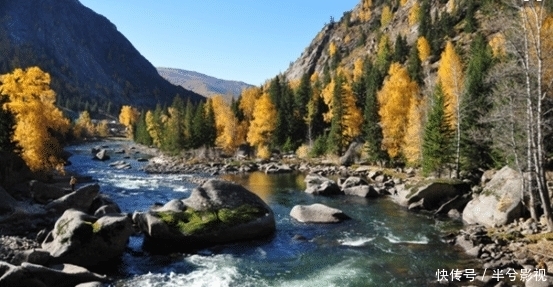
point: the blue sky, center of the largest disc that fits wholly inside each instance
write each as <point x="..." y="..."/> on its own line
<point x="245" y="40"/>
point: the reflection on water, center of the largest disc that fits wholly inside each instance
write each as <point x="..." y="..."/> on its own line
<point x="265" y="186"/>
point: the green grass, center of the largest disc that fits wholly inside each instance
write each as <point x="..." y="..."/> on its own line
<point x="191" y="221"/>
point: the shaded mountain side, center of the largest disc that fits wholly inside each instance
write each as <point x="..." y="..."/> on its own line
<point x="204" y="85"/>
<point x="91" y="63"/>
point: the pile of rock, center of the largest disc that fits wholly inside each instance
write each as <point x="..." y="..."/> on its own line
<point x="89" y="231"/>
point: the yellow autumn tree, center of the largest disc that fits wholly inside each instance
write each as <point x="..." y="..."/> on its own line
<point x="414" y="13"/>
<point x="386" y="16"/>
<point x="263" y="125"/>
<point x="230" y="132"/>
<point x="84" y="126"/>
<point x="38" y="120"/>
<point x="365" y="10"/>
<point x="497" y="43"/>
<point x="450" y="76"/>
<point x="395" y="99"/>
<point x="248" y="97"/>
<point x="357" y="69"/>
<point x="332" y="49"/>
<point x="128" y="117"/>
<point x="412" y="142"/>
<point x="403" y="2"/>
<point x="424" y="48"/>
<point x="153" y="126"/>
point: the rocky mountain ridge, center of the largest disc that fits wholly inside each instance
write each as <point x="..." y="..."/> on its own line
<point x="88" y="58"/>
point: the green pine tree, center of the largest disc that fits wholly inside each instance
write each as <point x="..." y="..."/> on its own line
<point x="401" y="49"/>
<point x="372" y="132"/>
<point x="141" y="134"/>
<point x="475" y="104"/>
<point x="334" y="141"/>
<point x="437" y="147"/>
<point x="414" y="66"/>
<point x="7" y="124"/>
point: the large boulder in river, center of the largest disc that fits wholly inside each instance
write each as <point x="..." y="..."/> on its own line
<point x="101" y="155"/>
<point x="43" y="193"/>
<point x="216" y="212"/>
<point x="320" y="185"/>
<point x="317" y="213"/>
<point x="81" y="199"/>
<point x="439" y="195"/>
<point x="85" y="240"/>
<point x="500" y="201"/>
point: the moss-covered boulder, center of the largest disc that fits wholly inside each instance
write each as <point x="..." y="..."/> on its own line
<point x="216" y="212"/>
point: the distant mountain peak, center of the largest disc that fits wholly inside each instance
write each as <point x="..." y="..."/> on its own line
<point x="202" y="84"/>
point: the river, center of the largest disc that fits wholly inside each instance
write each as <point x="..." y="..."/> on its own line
<point x="382" y="245"/>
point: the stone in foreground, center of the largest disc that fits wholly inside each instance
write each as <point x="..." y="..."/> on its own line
<point x="216" y="212"/>
<point x="500" y="201"/>
<point x="317" y="213"/>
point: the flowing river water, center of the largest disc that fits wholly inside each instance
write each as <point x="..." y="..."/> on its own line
<point x="383" y="244"/>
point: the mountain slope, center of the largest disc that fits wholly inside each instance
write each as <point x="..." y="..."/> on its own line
<point x="204" y="85"/>
<point x="91" y="63"/>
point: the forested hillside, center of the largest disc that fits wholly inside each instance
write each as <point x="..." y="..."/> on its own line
<point x="446" y="86"/>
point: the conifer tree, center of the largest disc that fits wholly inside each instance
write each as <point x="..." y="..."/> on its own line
<point x="470" y="19"/>
<point x="372" y="131"/>
<point x="141" y="134"/>
<point x="414" y="65"/>
<point x="209" y="130"/>
<point x="438" y="136"/>
<point x="475" y="104"/>
<point x="7" y="124"/>
<point x="425" y="21"/>
<point x="401" y="49"/>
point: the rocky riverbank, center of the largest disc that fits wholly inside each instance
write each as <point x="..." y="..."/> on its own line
<point x="496" y="231"/>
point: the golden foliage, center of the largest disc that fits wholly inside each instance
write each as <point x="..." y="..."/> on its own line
<point x="84" y="126"/>
<point x="414" y="14"/>
<point x="413" y="136"/>
<point x="347" y="39"/>
<point x="332" y="49"/>
<point x="497" y="43"/>
<point x="263" y="123"/>
<point x="396" y="97"/>
<point x="102" y="129"/>
<point x="424" y="48"/>
<point x="128" y="118"/>
<point x="263" y="152"/>
<point x="357" y="69"/>
<point x="403" y="2"/>
<point x="450" y="75"/>
<point x="247" y="101"/>
<point x="154" y="128"/>
<point x="303" y="151"/>
<point x="230" y="132"/>
<point x="365" y="11"/>
<point x="451" y="6"/>
<point x="386" y="16"/>
<point x="33" y="103"/>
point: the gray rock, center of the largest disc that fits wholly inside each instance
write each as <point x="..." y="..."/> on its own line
<point x="35" y="256"/>
<point x="352" y="153"/>
<point x="102" y="155"/>
<point x="85" y="240"/>
<point x="28" y="274"/>
<point x="81" y="199"/>
<point x="320" y="185"/>
<point x="43" y="193"/>
<point x="362" y="191"/>
<point x="317" y="213"/>
<point x="353" y="181"/>
<point x="7" y="203"/>
<point x="90" y="284"/>
<point x="107" y="209"/>
<point x="216" y="212"/>
<point x="500" y="202"/>
<point x="545" y="281"/>
<point x="454" y="214"/>
<point x="435" y="194"/>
